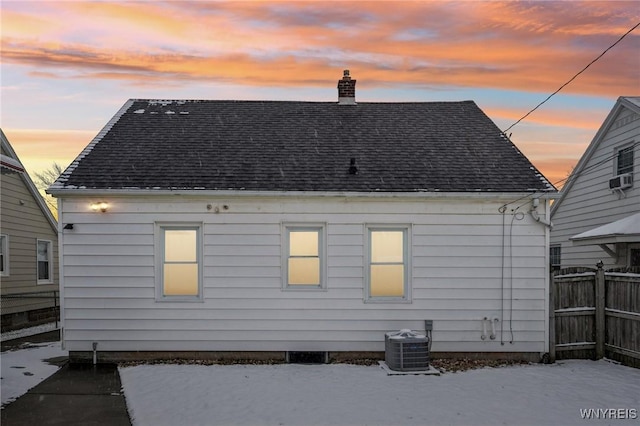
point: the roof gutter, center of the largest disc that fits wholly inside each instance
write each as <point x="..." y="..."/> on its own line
<point x="75" y="192"/>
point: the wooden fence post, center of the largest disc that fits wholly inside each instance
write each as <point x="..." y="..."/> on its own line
<point x="552" y="319"/>
<point x="600" y="307"/>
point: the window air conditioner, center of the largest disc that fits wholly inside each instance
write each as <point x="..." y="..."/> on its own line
<point x="622" y="181"/>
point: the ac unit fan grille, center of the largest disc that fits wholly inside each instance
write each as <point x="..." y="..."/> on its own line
<point x="407" y="353"/>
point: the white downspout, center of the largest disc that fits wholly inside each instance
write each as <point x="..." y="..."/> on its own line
<point x="534" y="213"/>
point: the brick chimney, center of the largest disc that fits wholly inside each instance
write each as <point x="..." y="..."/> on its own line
<point x="346" y="90"/>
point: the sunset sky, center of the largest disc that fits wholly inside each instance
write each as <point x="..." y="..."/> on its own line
<point x="68" y="66"/>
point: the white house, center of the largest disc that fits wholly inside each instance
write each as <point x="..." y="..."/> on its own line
<point x="203" y="228"/>
<point x="28" y="247"/>
<point x="597" y="217"/>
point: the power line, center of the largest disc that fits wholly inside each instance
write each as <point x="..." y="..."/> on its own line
<point x="573" y="175"/>
<point x="574" y="77"/>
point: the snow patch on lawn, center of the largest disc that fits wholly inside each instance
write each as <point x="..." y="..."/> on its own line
<point x="25" y="368"/>
<point x="340" y="394"/>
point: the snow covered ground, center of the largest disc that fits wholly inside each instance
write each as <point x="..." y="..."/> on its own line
<point x="29" y="331"/>
<point x="340" y="394"/>
<point x="24" y="368"/>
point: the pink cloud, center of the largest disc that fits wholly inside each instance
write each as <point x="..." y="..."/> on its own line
<point x="512" y="45"/>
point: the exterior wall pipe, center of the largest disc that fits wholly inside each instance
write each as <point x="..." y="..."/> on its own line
<point x="484" y="328"/>
<point x="493" y="321"/>
<point x="534" y="214"/>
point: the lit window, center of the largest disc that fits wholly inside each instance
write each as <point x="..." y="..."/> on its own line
<point x="180" y="272"/>
<point x="625" y="160"/>
<point x="304" y="257"/>
<point x="387" y="267"/>
<point x="4" y="255"/>
<point x="45" y="263"/>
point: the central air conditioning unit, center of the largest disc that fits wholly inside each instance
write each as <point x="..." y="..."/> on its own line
<point x="622" y="181"/>
<point x="406" y="350"/>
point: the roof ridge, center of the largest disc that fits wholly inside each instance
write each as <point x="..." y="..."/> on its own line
<point x="168" y="101"/>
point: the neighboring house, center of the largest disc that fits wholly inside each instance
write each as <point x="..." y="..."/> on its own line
<point x="28" y="248"/>
<point x="597" y="217"/>
<point x="277" y="227"/>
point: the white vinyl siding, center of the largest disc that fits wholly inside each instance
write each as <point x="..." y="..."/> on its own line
<point x="455" y="269"/>
<point x="44" y="253"/>
<point x="387" y="278"/>
<point x="591" y="203"/>
<point x="304" y="257"/>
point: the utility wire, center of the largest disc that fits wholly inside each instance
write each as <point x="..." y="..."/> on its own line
<point x="573" y="78"/>
<point x="574" y="174"/>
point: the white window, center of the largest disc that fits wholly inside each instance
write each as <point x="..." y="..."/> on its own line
<point x="4" y="255"/>
<point x="179" y="273"/>
<point x="304" y="257"/>
<point x="388" y="264"/>
<point x="45" y="262"/>
<point x="624" y="160"/>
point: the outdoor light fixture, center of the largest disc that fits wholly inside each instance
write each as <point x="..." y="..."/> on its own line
<point x="102" y="206"/>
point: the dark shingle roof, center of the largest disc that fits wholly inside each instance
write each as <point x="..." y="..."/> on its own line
<point x="302" y="146"/>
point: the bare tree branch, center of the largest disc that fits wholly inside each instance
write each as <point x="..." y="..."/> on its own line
<point x="43" y="180"/>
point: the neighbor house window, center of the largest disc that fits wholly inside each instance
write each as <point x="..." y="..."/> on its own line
<point x="388" y="269"/>
<point x="4" y="255"/>
<point x="45" y="262"/>
<point x="180" y="269"/>
<point x="304" y="257"/>
<point x="555" y="255"/>
<point x="624" y="163"/>
<point x="634" y="255"/>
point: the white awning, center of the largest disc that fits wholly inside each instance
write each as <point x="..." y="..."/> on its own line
<point x="625" y="230"/>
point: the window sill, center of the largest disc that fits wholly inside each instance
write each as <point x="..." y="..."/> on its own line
<point x="391" y="301"/>
<point x="304" y="288"/>
<point x="179" y="299"/>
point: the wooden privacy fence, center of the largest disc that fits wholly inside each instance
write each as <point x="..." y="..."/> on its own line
<point x="595" y="314"/>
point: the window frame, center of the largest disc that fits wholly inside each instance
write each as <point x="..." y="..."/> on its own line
<point x="48" y="280"/>
<point x="159" y="244"/>
<point x="618" y="151"/>
<point x="630" y="248"/>
<point x="555" y="266"/>
<point x="4" y="247"/>
<point x="406" y="229"/>
<point x="321" y="229"/>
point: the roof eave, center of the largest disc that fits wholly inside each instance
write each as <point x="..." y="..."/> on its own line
<point x="86" y="192"/>
<point x="606" y="239"/>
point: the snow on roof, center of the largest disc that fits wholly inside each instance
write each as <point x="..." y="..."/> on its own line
<point x="623" y="229"/>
